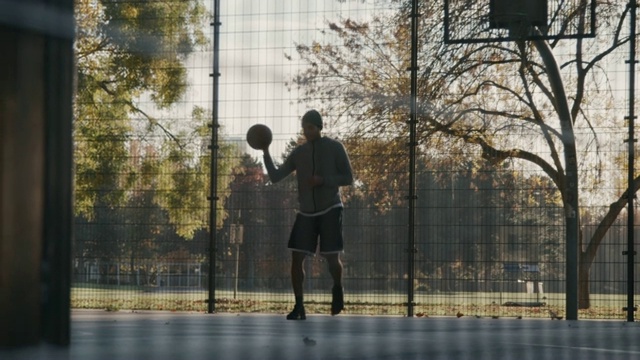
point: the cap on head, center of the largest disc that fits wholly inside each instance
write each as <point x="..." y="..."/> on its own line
<point x="313" y="117"/>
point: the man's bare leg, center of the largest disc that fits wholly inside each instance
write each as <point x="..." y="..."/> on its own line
<point x="335" y="268"/>
<point x="297" y="280"/>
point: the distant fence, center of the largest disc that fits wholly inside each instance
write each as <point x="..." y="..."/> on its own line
<point x="487" y="224"/>
<point x="159" y="274"/>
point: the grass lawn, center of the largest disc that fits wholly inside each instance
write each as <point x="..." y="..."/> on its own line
<point x="114" y="298"/>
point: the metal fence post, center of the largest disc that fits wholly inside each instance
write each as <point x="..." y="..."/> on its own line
<point x="411" y="248"/>
<point x="630" y="252"/>
<point x="213" y="185"/>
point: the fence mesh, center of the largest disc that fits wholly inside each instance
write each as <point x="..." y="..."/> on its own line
<point x="489" y="235"/>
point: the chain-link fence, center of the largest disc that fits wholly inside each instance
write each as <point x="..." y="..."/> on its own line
<point x="486" y="233"/>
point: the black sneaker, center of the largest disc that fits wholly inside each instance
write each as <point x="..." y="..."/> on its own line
<point x="297" y="313"/>
<point x="337" y="302"/>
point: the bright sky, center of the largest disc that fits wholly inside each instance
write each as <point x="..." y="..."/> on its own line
<point x="256" y="38"/>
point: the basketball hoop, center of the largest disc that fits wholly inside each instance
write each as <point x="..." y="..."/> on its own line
<point x="483" y="21"/>
<point x="517" y="23"/>
<point x="517" y="16"/>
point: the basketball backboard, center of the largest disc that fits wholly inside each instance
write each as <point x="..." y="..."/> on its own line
<point x="476" y="21"/>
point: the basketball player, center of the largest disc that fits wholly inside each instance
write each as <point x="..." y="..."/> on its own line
<point x="321" y="165"/>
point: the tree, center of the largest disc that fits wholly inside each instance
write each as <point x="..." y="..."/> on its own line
<point x="184" y="170"/>
<point x="495" y="99"/>
<point x="124" y="51"/>
<point x="247" y="202"/>
<point x="130" y="66"/>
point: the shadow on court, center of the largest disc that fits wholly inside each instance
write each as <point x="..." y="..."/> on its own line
<point x="166" y="335"/>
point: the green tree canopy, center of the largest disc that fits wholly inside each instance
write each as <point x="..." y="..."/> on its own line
<point x="130" y="60"/>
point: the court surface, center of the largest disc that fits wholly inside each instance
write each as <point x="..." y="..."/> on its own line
<point x="166" y="335"/>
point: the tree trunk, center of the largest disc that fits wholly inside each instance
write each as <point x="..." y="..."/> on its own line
<point x="584" y="293"/>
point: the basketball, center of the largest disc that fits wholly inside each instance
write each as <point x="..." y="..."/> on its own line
<point x="259" y="136"/>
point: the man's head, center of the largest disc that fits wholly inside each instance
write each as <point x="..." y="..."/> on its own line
<point x="313" y="117"/>
<point x="311" y="125"/>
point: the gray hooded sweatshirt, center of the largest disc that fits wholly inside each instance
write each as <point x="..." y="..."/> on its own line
<point x="324" y="157"/>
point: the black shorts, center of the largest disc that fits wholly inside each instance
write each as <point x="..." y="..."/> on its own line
<point x="327" y="228"/>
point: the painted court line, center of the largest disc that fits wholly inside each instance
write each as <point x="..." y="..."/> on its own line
<point x="583" y="348"/>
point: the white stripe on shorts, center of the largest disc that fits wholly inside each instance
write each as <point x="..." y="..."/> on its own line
<point x="323" y="211"/>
